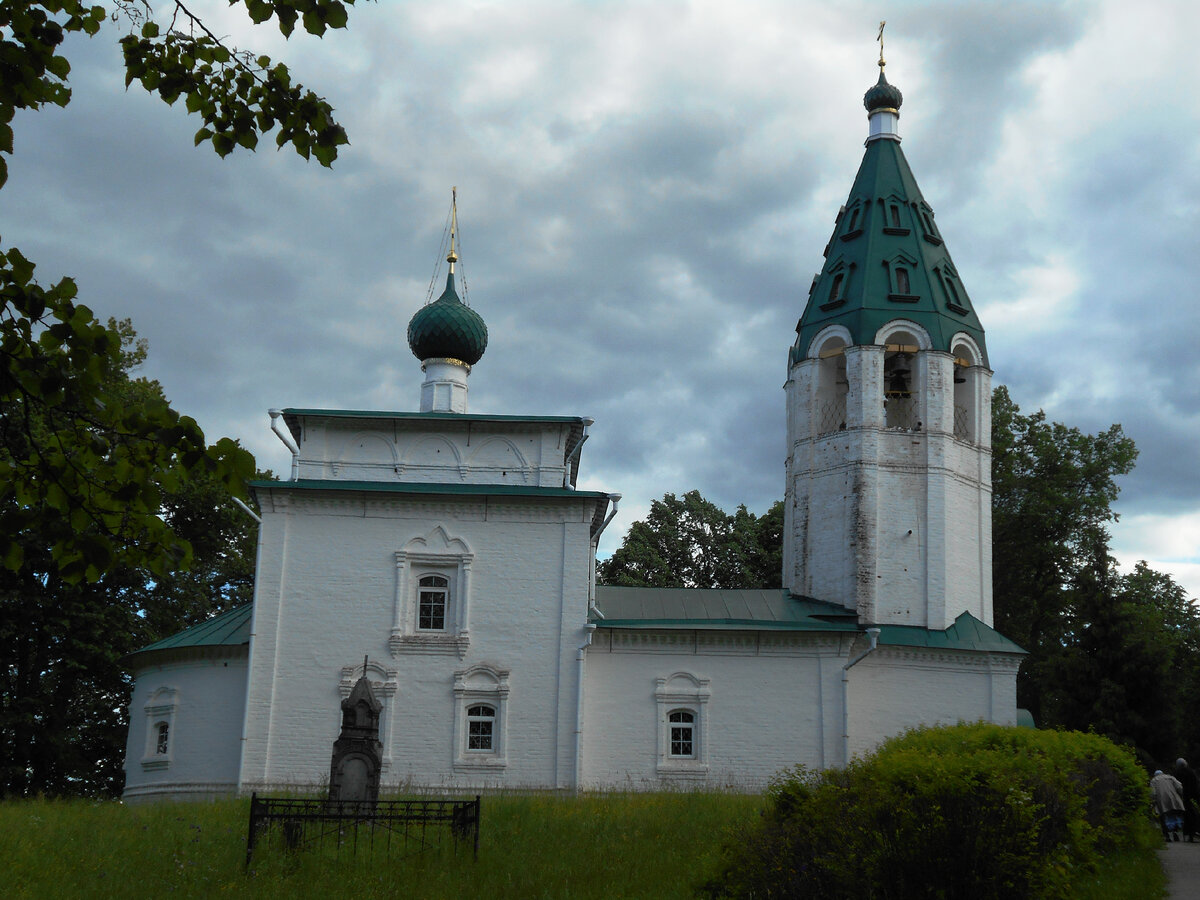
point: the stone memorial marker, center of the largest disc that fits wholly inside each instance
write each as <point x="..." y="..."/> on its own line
<point x="357" y="753"/>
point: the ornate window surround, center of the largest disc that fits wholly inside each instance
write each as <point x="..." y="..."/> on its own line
<point x="480" y="685"/>
<point x="434" y="554"/>
<point x="160" y="710"/>
<point x="682" y="692"/>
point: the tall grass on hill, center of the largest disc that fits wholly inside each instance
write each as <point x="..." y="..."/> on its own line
<point x="604" y="845"/>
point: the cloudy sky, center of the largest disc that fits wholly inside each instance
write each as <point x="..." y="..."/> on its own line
<point x="644" y="193"/>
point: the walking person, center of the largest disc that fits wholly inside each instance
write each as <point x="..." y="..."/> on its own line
<point x="1168" y="803"/>
<point x="1191" y="796"/>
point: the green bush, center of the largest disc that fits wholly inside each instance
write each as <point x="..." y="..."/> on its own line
<point x="973" y="810"/>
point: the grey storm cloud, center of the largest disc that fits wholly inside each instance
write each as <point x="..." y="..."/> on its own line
<point x="644" y="194"/>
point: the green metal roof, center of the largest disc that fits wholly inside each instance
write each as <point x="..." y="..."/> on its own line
<point x="757" y="610"/>
<point x="870" y="241"/>
<point x="431" y="416"/>
<point x="967" y="633"/>
<point x="410" y="487"/>
<point x="773" y="610"/>
<point x="229" y="629"/>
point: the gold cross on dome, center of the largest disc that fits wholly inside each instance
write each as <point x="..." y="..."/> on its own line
<point x="879" y="38"/>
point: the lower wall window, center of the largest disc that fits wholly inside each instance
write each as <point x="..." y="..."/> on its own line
<point x="161" y="735"/>
<point x="481" y="725"/>
<point x="683" y="738"/>
<point x="480" y="719"/>
<point x="682" y="700"/>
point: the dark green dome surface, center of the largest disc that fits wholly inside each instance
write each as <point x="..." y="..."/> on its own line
<point x="448" y="328"/>
<point x="882" y="95"/>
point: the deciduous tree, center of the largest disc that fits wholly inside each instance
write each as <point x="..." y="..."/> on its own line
<point x="63" y="689"/>
<point x="54" y="353"/>
<point x="690" y="542"/>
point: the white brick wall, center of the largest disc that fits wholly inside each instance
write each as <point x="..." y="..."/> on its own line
<point x="208" y="690"/>
<point x="893" y="523"/>
<point x="326" y="597"/>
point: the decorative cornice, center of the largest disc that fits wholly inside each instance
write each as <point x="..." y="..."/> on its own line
<point x="443" y="644"/>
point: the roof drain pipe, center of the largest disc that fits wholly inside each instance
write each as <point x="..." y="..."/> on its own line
<point x="592" y="610"/>
<point x="588" y="421"/>
<point x="580" y="658"/>
<point x="241" y="504"/>
<point x="873" y="635"/>
<point x="287" y="441"/>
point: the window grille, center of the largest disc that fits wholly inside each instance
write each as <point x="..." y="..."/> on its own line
<point x="682" y="733"/>
<point x="431" y="613"/>
<point x="962" y="430"/>
<point x="481" y="722"/>
<point x="164" y="738"/>
<point x="900" y="409"/>
<point x="831" y="416"/>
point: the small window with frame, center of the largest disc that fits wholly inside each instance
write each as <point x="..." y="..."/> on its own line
<point x="682" y="723"/>
<point x="162" y="741"/>
<point x="433" y="598"/>
<point x="481" y="728"/>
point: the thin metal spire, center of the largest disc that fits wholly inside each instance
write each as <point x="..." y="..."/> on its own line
<point x="879" y="37"/>
<point x="452" y="258"/>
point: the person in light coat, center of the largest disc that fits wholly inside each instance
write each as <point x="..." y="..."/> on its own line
<point x="1168" y="803"/>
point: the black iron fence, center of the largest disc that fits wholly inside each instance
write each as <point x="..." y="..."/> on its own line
<point x="391" y="826"/>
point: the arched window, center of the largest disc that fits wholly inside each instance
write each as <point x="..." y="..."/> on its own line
<point x="829" y="411"/>
<point x="431" y="608"/>
<point x="481" y="728"/>
<point x="480" y="713"/>
<point x="895" y="216"/>
<point x="966" y="408"/>
<point x="853" y="219"/>
<point x="683" y="734"/>
<point x="901" y="391"/>
<point x="162" y="743"/>
<point x="901" y="279"/>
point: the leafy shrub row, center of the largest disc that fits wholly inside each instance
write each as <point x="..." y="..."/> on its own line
<point x="978" y="811"/>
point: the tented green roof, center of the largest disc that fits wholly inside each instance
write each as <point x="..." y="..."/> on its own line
<point x="886" y="226"/>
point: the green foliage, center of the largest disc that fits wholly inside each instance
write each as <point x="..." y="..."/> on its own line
<point x="237" y="94"/>
<point x="611" y="845"/>
<point x="115" y="527"/>
<point x="180" y="552"/>
<point x="689" y="542"/>
<point x="976" y="811"/>
<point x="1110" y="652"/>
<point x="99" y="497"/>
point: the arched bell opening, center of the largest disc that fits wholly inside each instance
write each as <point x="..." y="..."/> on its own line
<point x="833" y="386"/>
<point x="901" y="381"/>
<point x="966" y="391"/>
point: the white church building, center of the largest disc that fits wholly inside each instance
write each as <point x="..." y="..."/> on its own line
<point x="452" y="550"/>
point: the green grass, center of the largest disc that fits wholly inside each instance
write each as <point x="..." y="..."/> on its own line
<point x="609" y="845"/>
<point x="531" y="845"/>
<point x="1131" y="874"/>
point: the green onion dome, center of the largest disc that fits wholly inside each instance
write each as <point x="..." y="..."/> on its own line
<point x="447" y="328"/>
<point x="882" y="95"/>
